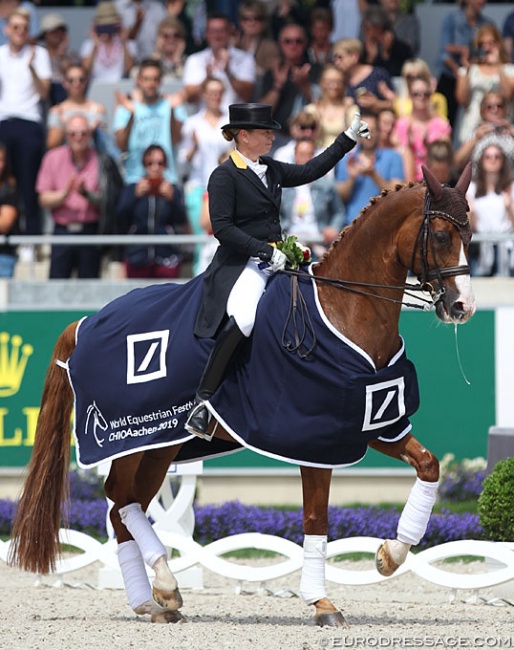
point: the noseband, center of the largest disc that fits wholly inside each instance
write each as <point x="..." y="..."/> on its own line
<point x="425" y="244"/>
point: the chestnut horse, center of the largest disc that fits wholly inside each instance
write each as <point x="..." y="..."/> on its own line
<point x="422" y="228"/>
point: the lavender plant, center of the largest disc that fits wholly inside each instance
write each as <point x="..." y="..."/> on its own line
<point x="88" y="510"/>
<point x="461" y="481"/>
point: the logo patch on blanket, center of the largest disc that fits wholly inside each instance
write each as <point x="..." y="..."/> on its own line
<point x="137" y="365"/>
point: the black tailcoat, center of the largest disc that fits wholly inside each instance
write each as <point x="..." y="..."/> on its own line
<point x="245" y="219"/>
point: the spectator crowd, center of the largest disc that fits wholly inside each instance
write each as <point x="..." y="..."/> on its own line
<point x="69" y="167"/>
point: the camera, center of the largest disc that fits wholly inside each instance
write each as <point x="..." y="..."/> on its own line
<point x="478" y="54"/>
<point x="107" y="29"/>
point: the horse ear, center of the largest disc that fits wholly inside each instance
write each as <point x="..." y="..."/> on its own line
<point x="464" y="180"/>
<point x="434" y="186"/>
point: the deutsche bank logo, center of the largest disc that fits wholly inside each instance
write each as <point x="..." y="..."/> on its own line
<point x="384" y="404"/>
<point x="146" y="356"/>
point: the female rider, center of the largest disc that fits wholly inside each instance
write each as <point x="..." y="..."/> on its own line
<point x="244" y="204"/>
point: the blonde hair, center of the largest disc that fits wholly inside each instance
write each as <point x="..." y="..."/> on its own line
<point x="350" y="46"/>
<point x="416" y="68"/>
<point x="230" y="134"/>
<point x="491" y="30"/>
<point x="19" y="13"/>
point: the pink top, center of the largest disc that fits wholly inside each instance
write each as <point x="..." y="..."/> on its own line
<point x="56" y="169"/>
<point x="417" y="135"/>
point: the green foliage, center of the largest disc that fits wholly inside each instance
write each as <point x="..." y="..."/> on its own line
<point x="295" y="253"/>
<point x="496" y="503"/>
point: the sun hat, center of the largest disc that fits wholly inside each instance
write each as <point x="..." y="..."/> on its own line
<point x="50" y="22"/>
<point x="106" y="14"/>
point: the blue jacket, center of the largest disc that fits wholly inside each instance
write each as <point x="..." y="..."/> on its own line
<point x="150" y="215"/>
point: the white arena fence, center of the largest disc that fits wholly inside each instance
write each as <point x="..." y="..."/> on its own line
<point x="173" y="518"/>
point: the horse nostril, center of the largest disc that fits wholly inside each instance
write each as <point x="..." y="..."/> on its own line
<point x="458" y="310"/>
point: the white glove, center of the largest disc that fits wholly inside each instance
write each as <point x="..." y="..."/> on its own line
<point x="278" y="261"/>
<point x="358" y="128"/>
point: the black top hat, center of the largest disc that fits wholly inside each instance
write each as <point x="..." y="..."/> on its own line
<point x="251" y="116"/>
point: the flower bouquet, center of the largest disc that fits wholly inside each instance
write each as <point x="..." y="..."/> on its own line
<point x="297" y="254"/>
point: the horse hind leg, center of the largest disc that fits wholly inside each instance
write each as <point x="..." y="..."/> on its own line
<point x="415" y="515"/>
<point x="165" y="590"/>
<point x="137" y="585"/>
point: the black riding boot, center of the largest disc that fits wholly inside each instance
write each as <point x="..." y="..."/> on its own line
<point x="226" y="345"/>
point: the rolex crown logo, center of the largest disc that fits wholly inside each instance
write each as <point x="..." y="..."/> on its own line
<point x="13" y="361"/>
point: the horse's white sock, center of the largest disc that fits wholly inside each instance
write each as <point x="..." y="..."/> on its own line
<point x="135" y="579"/>
<point x="140" y="528"/>
<point x="416" y="513"/>
<point x="312" y="584"/>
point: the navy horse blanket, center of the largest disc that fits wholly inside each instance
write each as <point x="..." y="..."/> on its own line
<point x="137" y="365"/>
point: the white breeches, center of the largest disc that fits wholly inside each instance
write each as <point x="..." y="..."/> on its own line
<point x="246" y="293"/>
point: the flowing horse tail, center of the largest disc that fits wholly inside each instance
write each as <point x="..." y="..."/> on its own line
<point x="35" y="532"/>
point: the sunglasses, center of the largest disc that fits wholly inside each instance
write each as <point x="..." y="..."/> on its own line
<point x="490" y="107"/>
<point x="420" y="94"/>
<point x="78" y="80"/>
<point x="73" y="134"/>
<point x="307" y="127"/>
<point x="292" y="41"/>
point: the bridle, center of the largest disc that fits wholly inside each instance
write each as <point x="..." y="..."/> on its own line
<point x="429" y="279"/>
<point x="425" y="243"/>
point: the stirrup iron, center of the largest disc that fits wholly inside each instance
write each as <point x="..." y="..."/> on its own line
<point x="205" y="435"/>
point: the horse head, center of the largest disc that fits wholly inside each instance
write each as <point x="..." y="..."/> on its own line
<point x="440" y="256"/>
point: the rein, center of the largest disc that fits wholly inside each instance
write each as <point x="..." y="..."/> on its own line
<point x="425" y="243"/>
<point x="299" y="315"/>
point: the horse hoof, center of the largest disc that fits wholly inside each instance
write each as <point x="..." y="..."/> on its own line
<point x="169" y="600"/>
<point x="332" y="619"/>
<point x="384" y="563"/>
<point x="167" y="616"/>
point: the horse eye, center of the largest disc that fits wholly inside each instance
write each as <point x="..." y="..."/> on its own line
<point x="442" y="237"/>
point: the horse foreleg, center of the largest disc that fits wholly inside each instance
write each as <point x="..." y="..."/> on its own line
<point x="416" y="513"/>
<point x="316" y="490"/>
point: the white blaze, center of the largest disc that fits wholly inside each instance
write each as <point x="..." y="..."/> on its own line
<point x="463" y="282"/>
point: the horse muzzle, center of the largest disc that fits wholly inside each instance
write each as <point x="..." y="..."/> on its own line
<point x="454" y="305"/>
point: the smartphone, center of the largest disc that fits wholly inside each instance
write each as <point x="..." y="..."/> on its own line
<point x="155" y="184"/>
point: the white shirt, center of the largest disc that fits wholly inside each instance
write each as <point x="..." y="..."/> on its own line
<point x="108" y="65"/>
<point x="211" y="145"/>
<point x="18" y="94"/>
<point x="490" y="212"/>
<point x="257" y="167"/>
<point x="146" y="37"/>
<point x="241" y="65"/>
<point x="303" y="219"/>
